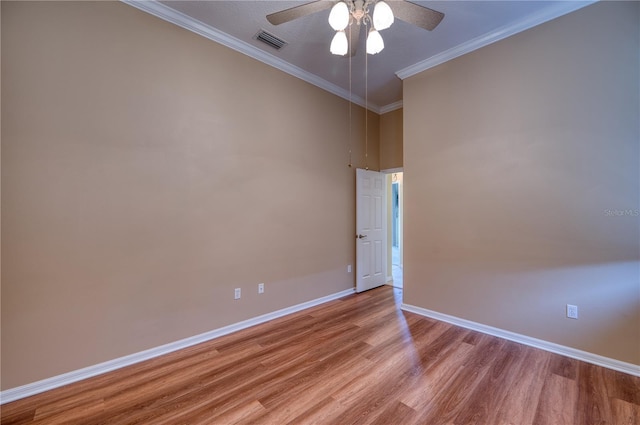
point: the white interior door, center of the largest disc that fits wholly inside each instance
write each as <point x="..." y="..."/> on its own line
<point x="371" y="229"/>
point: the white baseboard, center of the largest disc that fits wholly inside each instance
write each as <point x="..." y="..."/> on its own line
<point x="28" y="390"/>
<point x="629" y="368"/>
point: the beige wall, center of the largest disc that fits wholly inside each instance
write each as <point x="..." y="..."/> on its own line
<point x="518" y="159"/>
<point x="146" y="172"/>
<point x="391" y="140"/>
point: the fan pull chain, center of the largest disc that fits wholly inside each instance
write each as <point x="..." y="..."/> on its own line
<point x="350" y="79"/>
<point x="366" y="105"/>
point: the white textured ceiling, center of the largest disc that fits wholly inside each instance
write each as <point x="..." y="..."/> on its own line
<point x="467" y="25"/>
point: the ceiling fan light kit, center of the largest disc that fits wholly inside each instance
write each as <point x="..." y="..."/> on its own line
<point x="340" y="18"/>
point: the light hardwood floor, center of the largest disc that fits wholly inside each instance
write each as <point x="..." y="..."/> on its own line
<point x="357" y="360"/>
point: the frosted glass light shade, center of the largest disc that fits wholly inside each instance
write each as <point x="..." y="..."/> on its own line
<point x="375" y="44"/>
<point x="339" y="44"/>
<point x="339" y="16"/>
<point x="382" y="16"/>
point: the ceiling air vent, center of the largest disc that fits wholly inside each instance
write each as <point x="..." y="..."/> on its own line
<point x="270" y="39"/>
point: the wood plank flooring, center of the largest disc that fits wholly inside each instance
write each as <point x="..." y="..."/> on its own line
<point x="357" y="360"/>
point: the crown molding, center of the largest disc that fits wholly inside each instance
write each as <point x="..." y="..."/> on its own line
<point x="391" y="107"/>
<point x="547" y="14"/>
<point x="159" y="10"/>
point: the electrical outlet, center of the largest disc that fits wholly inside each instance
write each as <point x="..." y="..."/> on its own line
<point x="349" y="268"/>
<point x="260" y="288"/>
<point x="237" y="294"/>
<point x="572" y="311"/>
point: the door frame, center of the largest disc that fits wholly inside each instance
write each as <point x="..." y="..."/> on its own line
<point x="390" y="171"/>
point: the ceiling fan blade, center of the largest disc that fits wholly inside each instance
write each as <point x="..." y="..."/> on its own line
<point x="417" y="15"/>
<point x="353" y="36"/>
<point x="298" y="11"/>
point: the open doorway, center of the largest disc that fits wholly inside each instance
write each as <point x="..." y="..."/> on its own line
<point x="395" y="213"/>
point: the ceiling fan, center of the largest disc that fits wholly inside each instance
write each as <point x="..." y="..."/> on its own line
<point x="356" y="14"/>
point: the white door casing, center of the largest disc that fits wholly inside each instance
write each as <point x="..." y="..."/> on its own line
<point x="371" y="229"/>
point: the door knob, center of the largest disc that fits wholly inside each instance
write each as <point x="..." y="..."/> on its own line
<point x="361" y="236"/>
